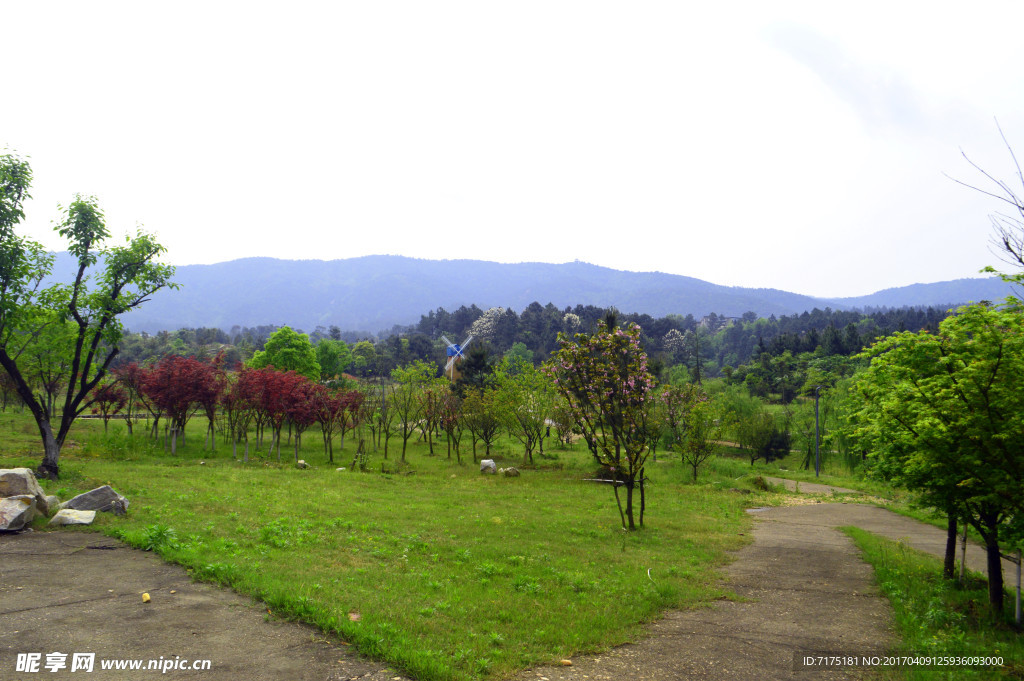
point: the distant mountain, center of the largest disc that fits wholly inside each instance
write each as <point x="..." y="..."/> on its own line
<point x="374" y="293"/>
<point x="943" y="293"/>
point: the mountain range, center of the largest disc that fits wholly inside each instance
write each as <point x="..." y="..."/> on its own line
<point x="374" y="293"/>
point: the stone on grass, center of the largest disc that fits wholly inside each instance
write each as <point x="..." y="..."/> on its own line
<point x="510" y="472"/>
<point x="301" y="463"/>
<point x="52" y="504"/>
<point x="16" y="481"/>
<point x="488" y="466"/>
<point x="16" y="512"/>
<point x="100" y="499"/>
<point x="67" y="516"/>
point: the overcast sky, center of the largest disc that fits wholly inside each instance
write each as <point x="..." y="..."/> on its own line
<point x="798" y="146"/>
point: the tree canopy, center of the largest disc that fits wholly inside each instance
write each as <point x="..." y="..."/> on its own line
<point x="943" y="414"/>
<point x="288" y="350"/>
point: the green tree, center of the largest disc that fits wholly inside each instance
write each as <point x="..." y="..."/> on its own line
<point x="604" y="379"/>
<point x="288" y="350"/>
<point x="333" y="356"/>
<point x="525" y="398"/>
<point x="107" y="283"/>
<point x="520" y="353"/>
<point x="403" y="397"/>
<point x="364" y="357"/>
<point x="943" y="414"/>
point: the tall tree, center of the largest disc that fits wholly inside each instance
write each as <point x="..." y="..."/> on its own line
<point x="333" y="356"/>
<point x="288" y="350"/>
<point x="943" y="414"/>
<point x="107" y="283"/>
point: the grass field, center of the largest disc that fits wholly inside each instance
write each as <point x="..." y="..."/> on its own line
<point x="441" y="571"/>
<point x="938" y="617"/>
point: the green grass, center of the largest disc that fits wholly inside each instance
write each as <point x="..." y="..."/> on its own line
<point x="433" y="567"/>
<point x="937" y="617"/>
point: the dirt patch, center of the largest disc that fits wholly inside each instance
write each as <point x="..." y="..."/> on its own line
<point x="81" y="592"/>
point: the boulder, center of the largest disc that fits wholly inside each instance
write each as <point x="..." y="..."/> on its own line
<point x="488" y="466"/>
<point x="68" y="516"/>
<point x="100" y="499"/>
<point x="16" y="512"/>
<point x="52" y="504"/>
<point x="510" y="472"/>
<point x="301" y="463"/>
<point x="18" y="481"/>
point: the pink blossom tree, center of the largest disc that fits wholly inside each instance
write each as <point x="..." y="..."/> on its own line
<point x="604" y="379"/>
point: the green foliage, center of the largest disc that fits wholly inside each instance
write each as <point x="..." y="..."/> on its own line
<point x="287" y="350"/>
<point x="943" y="414"/>
<point x="333" y="356"/>
<point x="524" y="400"/>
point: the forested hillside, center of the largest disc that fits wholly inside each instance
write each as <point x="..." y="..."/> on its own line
<point x="374" y="293"/>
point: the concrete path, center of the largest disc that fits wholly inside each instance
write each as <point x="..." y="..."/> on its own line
<point x="810" y="487"/>
<point x="803" y="587"/>
<point x="81" y="592"/>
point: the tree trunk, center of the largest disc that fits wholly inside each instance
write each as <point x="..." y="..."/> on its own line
<point x="643" y="498"/>
<point x="49" y="468"/>
<point x="988" y="526"/>
<point x="995" y="576"/>
<point x="622" y="516"/>
<point x="629" y="503"/>
<point x="949" y="563"/>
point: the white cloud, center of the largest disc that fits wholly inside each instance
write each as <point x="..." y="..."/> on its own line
<point x="788" y="145"/>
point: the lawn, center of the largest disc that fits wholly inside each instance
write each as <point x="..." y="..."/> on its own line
<point x="441" y="571"/>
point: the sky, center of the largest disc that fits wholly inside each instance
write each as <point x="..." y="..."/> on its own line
<point x="803" y="146"/>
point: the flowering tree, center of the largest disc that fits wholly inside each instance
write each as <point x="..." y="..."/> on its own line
<point x="604" y="379"/>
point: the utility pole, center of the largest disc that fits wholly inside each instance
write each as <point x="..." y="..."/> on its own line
<point x="817" y="438"/>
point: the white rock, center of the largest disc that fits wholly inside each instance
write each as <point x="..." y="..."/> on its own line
<point x="69" y="516"/>
<point x="16" y="481"/>
<point x="16" y="512"/>
<point x="488" y="466"/>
